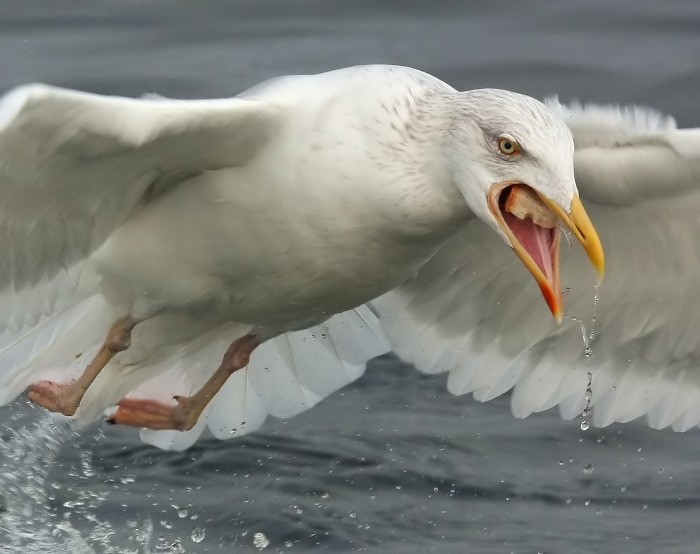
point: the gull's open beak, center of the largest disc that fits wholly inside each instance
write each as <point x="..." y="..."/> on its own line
<point x="531" y="223"/>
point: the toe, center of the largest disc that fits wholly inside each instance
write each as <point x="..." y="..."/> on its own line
<point x="137" y="412"/>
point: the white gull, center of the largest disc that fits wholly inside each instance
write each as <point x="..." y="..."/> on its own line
<point x="249" y="234"/>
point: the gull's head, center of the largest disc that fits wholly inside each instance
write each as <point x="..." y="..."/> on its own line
<point x="512" y="158"/>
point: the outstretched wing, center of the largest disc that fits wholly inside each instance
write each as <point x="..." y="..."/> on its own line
<point x="73" y="166"/>
<point x="475" y="312"/>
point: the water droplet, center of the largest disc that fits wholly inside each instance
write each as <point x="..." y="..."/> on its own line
<point x="585" y="425"/>
<point x="288" y="544"/>
<point x="588" y="469"/>
<point x="623" y="488"/>
<point x="260" y="541"/>
<point x="353" y="515"/>
<point x="126" y="479"/>
<point x="197" y="535"/>
<point x="182" y="513"/>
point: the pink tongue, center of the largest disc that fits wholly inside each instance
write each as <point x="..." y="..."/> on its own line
<point x="538" y="241"/>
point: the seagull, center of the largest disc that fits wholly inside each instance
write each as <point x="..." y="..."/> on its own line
<point x="202" y="264"/>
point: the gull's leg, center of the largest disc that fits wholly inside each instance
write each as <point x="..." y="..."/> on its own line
<point x="183" y="416"/>
<point x="65" y="398"/>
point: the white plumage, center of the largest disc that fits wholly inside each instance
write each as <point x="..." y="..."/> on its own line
<point x="310" y="196"/>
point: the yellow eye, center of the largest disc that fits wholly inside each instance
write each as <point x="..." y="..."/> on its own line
<point x="508" y="146"/>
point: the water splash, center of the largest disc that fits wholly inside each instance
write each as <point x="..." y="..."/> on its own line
<point x="39" y="515"/>
<point x="28" y="452"/>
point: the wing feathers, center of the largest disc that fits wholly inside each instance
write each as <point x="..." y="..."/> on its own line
<point x="74" y="165"/>
<point x="625" y="156"/>
<point x="473" y="309"/>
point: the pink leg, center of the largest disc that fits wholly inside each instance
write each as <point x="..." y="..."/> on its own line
<point x="65" y="397"/>
<point x="183" y="416"/>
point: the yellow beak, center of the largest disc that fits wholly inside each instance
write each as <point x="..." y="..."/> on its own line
<point x="578" y="222"/>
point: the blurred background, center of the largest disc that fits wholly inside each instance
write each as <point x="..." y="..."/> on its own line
<point x="392" y="463"/>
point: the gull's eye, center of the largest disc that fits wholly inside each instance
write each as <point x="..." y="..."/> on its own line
<point x="508" y="146"/>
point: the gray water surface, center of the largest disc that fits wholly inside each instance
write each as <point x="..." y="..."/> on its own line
<point x="392" y="463"/>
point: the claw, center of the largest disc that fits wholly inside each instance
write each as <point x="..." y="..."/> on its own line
<point x="65" y="398"/>
<point x="184" y="415"/>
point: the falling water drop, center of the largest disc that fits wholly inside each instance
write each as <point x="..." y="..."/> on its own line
<point x="260" y="541"/>
<point x="585" y="425"/>
<point x="197" y="534"/>
<point x="588" y="336"/>
<point x="596" y="297"/>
